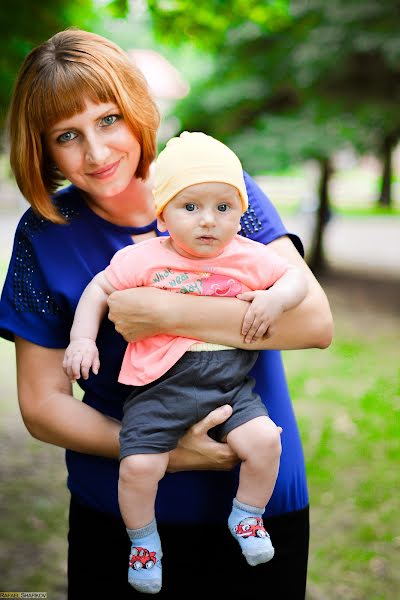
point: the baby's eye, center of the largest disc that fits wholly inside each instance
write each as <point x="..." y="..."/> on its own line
<point x="223" y="207"/>
<point x="190" y="207"/>
<point x="66" y="137"/>
<point x="109" y="119"/>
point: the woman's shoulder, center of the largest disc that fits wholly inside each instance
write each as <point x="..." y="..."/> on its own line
<point x="262" y="222"/>
<point x="68" y="203"/>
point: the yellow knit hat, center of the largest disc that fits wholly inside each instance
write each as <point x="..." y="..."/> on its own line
<point x="195" y="158"/>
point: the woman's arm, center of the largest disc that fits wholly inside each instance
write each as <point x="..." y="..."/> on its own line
<point x="143" y="312"/>
<point x="51" y="414"/>
<point x="49" y="410"/>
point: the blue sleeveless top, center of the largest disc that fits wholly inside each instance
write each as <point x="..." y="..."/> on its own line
<point x="49" y="268"/>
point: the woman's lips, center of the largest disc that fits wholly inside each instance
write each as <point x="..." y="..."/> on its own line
<point x="105" y="172"/>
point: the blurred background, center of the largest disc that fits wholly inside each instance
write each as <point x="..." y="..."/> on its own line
<point x="307" y="94"/>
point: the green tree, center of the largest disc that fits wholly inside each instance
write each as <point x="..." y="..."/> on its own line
<point x="296" y="88"/>
<point x="352" y="55"/>
<point x="253" y="102"/>
<point x="209" y="24"/>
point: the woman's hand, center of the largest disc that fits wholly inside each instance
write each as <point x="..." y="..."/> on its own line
<point x="138" y="313"/>
<point x="198" y="451"/>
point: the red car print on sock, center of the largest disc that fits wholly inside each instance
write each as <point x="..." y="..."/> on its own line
<point x="141" y="557"/>
<point x="251" y="526"/>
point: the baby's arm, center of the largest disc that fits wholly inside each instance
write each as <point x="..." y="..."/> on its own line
<point x="82" y="353"/>
<point x="268" y="305"/>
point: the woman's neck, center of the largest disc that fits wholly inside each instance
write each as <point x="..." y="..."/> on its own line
<point x="134" y="207"/>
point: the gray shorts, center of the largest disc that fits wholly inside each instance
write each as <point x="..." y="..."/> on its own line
<point x="158" y="414"/>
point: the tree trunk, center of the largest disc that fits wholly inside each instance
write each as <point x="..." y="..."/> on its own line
<point x="385" y="196"/>
<point x="317" y="262"/>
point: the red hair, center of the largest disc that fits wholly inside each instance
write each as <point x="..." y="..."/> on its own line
<point x="53" y="84"/>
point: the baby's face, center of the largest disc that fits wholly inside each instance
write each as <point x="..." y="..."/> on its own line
<point x="202" y="219"/>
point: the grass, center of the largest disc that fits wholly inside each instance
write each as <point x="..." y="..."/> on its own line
<point x="369" y="210"/>
<point x="347" y="400"/>
<point x="353" y="192"/>
<point x="293" y="206"/>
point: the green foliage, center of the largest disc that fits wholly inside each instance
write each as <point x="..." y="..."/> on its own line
<point x="209" y="24"/>
<point x="24" y="24"/>
<point x="329" y="73"/>
<point x="118" y="8"/>
<point x="351" y="53"/>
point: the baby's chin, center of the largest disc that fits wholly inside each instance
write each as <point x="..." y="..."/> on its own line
<point x="206" y="251"/>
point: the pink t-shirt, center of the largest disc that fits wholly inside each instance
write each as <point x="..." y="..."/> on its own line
<point x="244" y="265"/>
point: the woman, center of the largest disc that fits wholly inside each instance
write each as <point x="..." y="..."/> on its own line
<point x="82" y="112"/>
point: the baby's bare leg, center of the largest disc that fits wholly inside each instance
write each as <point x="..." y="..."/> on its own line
<point x="137" y="488"/>
<point x="258" y="445"/>
<point x="139" y="475"/>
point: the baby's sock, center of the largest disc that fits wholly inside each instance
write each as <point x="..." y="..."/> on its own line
<point x="145" y="573"/>
<point x="246" y="525"/>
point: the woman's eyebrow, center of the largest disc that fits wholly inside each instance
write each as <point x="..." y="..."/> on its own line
<point x="103" y="113"/>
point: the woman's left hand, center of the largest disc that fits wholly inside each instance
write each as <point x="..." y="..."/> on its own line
<point x="137" y="313"/>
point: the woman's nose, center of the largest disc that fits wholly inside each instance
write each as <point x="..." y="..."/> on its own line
<point x="96" y="151"/>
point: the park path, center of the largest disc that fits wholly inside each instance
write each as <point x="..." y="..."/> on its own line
<point x="368" y="245"/>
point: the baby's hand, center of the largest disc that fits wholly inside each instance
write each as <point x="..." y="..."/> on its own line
<point x="261" y="314"/>
<point x="80" y="355"/>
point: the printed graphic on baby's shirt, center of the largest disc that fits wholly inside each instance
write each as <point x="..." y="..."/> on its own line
<point x="200" y="283"/>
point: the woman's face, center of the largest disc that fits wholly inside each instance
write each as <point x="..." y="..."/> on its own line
<point x="95" y="150"/>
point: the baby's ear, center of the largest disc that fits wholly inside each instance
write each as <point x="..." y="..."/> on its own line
<point x="161" y="226"/>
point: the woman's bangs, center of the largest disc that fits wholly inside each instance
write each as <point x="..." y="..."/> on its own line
<point x="66" y="92"/>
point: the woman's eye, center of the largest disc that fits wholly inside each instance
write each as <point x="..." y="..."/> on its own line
<point x="223" y="207"/>
<point x="190" y="207"/>
<point x="109" y="119"/>
<point x="66" y="137"/>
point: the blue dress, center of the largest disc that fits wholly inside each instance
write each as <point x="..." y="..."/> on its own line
<point x="49" y="268"/>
